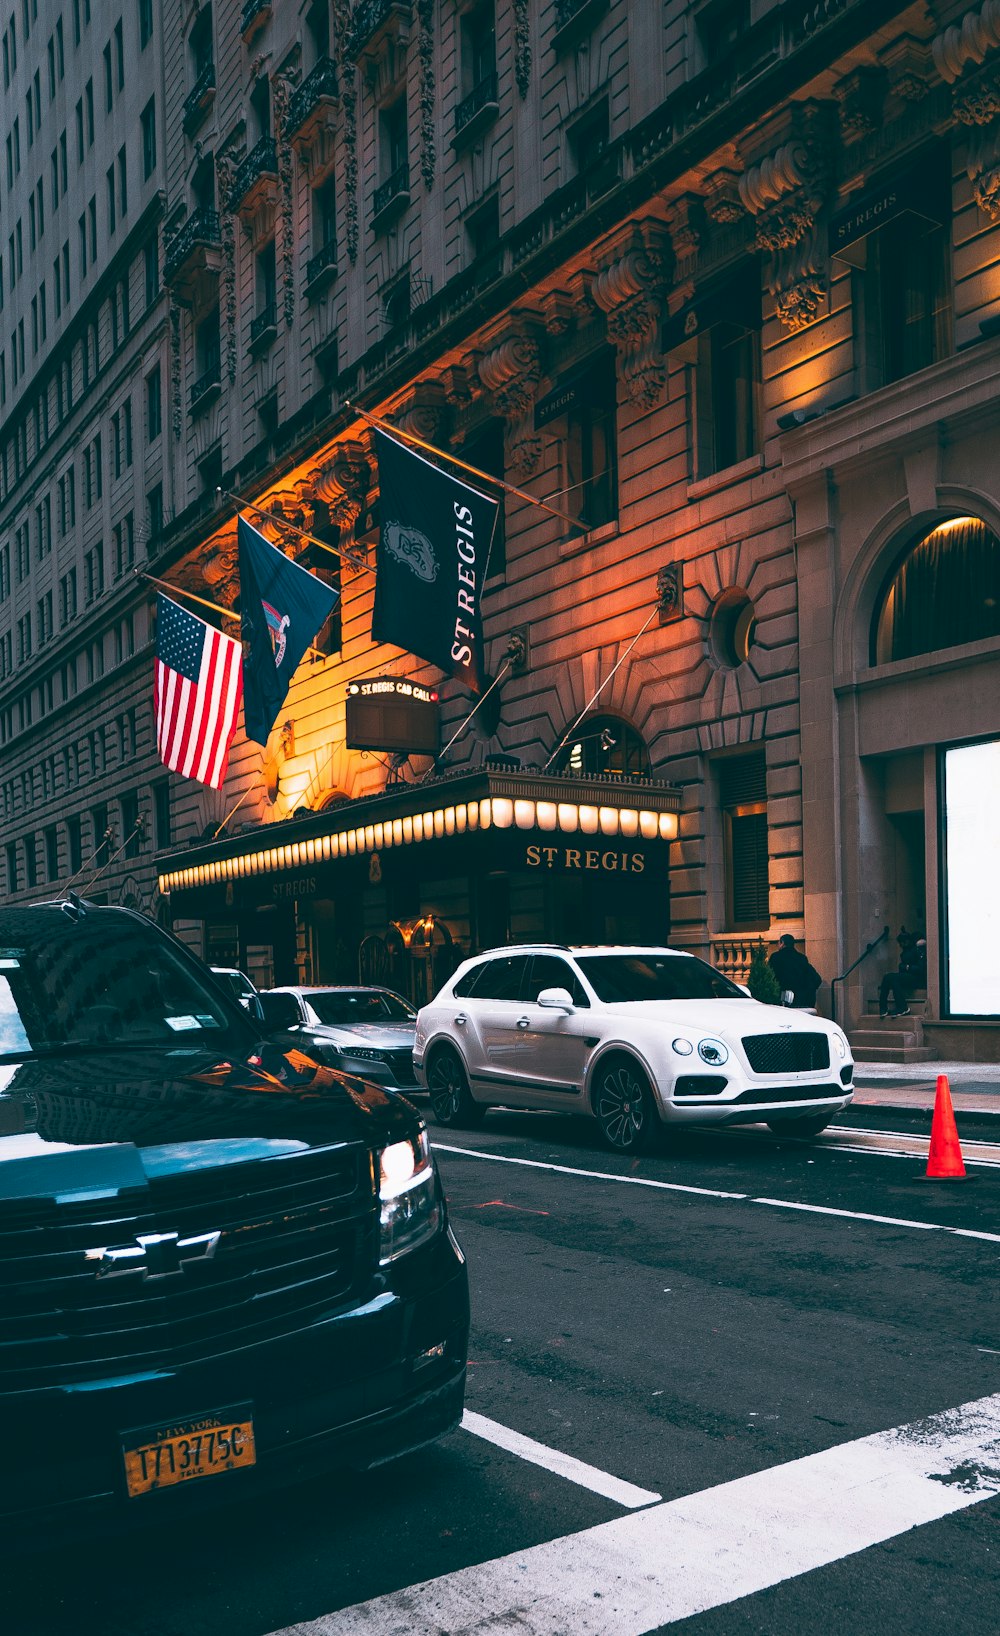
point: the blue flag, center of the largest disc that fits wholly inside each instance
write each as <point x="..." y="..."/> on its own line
<point x="282" y="606"/>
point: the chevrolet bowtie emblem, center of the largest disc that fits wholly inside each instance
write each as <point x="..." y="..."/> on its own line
<point x="153" y="1255"/>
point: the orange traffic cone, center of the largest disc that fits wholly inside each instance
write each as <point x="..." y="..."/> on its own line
<point x="944" y="1161"/>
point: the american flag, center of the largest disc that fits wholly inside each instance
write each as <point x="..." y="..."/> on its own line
<point x="197" y="690"/>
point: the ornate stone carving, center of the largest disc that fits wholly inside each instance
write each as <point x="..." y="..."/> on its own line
<point x="347" y="74"/>
<point x="967" y="42"/>
<point x="225" y="168"/>
<point x="425" y="51"/>
<point x="686" y="225"/>
<point x="967" y="56"/>
<point x="425" y="414"/>
<point x="722" y="197"/>
<point x="281" y="91"/>
<point x="861" y="96"/>
<point x="559" y="312"/>
<point x="908" y="64"/>
<point x="784" y="193"/>
<point x="670" y="592"/>
<point x="511" y="374"/>
<point x="628" y="291"/>
<point x="342" y="483"/>
<point x="461" y="383"/>
<point x="176" y="412"/>
<point x="522" y="47"/>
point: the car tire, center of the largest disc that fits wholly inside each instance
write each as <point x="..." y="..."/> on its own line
<point x="810" y="1125"/>
<point x="624" y="1106"/>
<point x="451" y="1099"/>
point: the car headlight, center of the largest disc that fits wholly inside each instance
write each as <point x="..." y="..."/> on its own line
<point x="713" y="1052"/>
<point x="841" y="1044"/>
<point x="408" y="1194"/>
<point x="683" y="1047"/>
<point x="364" y="1053"/>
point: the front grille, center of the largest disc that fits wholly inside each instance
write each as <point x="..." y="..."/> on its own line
<point x="788" y="1093"/>
<point x="787" y="1053"/>
<point x="297" y="1233"/>
<point x="401" y="1064"/>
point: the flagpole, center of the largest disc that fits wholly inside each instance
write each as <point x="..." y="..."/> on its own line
<point x="231" y="811"/>
<point x="474" y="471"/>
<point x="227" y="613"/>
<point x="464" y="724"/>
<point x="281" y="522"/>
<point x="138" y="829"/>
<point x="594" y="696"/>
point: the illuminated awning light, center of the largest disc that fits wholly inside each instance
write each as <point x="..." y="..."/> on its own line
<point x="500" y="812"/>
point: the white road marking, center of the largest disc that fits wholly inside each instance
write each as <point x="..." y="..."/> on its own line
<point x="564" y="1465"/>
<point x="707" y="1192"/>
<point x="594" y="1175"/>
<point x="654" y="1567"/>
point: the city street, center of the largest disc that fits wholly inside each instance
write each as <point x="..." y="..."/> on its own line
<point x="653" y="1343"/>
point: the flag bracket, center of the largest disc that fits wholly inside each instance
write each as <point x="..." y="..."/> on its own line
<point x="518" y="650"/>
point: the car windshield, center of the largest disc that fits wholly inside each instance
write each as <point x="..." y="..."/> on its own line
<point x="622" y="978"/>
<point x="360" y="1005"/>
<point x="103" y="977"/>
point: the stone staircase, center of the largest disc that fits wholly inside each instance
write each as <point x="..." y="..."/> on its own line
<point x="891" y="1039"/>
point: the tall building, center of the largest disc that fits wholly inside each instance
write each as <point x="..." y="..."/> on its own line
<point x="718" y="281"/>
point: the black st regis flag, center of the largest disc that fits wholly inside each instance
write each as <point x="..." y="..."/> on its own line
<point x="433" y="550"/>
<point x="282" y="606"/>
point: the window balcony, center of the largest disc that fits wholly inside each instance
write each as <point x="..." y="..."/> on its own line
<point x="206" y="388"/>
<point x="199" y="100"/>
<point x="256" y="179"/>
<point x="316" y="97"/>
<point x="193" y="255"/>
<point x="311" y="120"/>
<point x="264" y="328"/>
<point x="575" y="18"/>
<point x="478" y="110"/>
<point x="375" y="26"/>
<point x="253" y="17"/>
<point x="392" y="197"/>
<point x="321" y="269"/>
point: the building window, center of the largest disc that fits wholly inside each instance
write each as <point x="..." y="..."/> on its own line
<point x="30" y="861"/>
<point x="324" y="214"/>
<point x="727" y="379"/>
<point x="154" y="405"/>
<point x="151" y="270"/>
<point x="742" y="786"/>
<point x="101" y="833"/>
<point x="944" y="591"/>
<point x="154" y="517"/>
<point x="267" y="279"/>
<point x="148" y="125"/>
<point x="482" y="225"/>
<point x="394" y="151"/>
<point x="587" y="138"/>
<point x="902" y="290"/>
<point x="590" y="447"/>
<point x="161" y="814"/>
<point x="479" y="52"/>
<point x="74" y="845"/>
<point x="131" y="825"/>
<point x="52" y="853"/>
<point x="13" y="881"/>
<point x="145" y="23"/>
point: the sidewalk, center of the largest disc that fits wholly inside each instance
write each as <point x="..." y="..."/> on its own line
<point x="975" y="1086"/>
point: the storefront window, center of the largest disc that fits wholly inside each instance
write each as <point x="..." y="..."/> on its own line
<point x="944" y="591"/>
<point x="972" y="924"/>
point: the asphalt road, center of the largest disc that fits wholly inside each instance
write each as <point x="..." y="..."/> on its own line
<point x="743" y="1312"/>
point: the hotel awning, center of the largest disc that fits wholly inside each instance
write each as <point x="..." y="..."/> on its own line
<point x="505" y="819"/>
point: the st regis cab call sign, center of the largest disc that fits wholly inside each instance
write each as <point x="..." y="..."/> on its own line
<point x="392" y="713"/>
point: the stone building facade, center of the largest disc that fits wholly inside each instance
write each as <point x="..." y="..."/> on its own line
<point x="721" y="281"/>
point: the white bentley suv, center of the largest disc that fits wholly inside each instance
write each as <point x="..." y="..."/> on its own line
<point x="638" y="1038"/>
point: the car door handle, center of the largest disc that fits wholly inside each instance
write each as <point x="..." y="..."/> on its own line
<point x="461" y="1018"/>
<point x="522" y="1022"/>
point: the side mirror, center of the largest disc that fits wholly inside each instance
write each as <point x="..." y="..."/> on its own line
<point x="556" y="999"/>
<point x="745" y="989"/>
<point x="253" y="1005"/>
<point x="278" y="1011"/>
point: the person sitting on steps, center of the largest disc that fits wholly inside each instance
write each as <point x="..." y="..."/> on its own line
<point x="900" y="984"/>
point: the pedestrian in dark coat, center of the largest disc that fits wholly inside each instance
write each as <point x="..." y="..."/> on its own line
<point x="794" y="972"/>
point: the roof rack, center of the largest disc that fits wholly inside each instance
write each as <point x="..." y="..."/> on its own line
<point x="516" y="948"/>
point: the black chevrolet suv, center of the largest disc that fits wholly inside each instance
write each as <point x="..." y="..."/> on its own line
<point x="221" y="1263"/>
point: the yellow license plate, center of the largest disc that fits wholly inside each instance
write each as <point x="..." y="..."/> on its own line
<point x="161" y="1456"/>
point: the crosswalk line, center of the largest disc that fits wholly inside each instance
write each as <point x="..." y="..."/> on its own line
<point x="654" y="1567"/>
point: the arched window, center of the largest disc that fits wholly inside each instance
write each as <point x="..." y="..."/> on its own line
<point x="605" y="744"/>
<point x="944" y="591"/>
